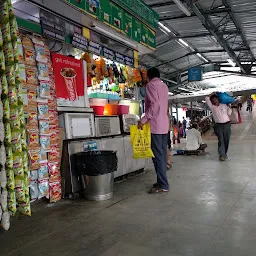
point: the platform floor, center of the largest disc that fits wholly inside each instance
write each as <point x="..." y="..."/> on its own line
<point x="210" y="210"/>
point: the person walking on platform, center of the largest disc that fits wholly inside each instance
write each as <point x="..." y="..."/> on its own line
<point x="222" y="127"/>
<point x="156" y="109"/>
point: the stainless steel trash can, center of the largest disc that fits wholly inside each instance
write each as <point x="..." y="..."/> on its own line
<point x="99" y="188"/>
<point x="96" y="171"/>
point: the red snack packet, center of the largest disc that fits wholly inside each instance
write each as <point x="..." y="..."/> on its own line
<point x="54" y="172"/>
<point x="55" y="192"/>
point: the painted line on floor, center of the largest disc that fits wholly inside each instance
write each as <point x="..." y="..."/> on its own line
<point x="247" y="127"/>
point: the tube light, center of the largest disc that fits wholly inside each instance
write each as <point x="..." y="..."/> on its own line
<point x="182" y="7"/>
<point x="183" y="42"/>
<point x="231" y="62"/>
<point x="164" y="27"/>
<point x="163" y="31"/>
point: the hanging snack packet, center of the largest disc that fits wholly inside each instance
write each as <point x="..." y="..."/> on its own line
<point x="18" y="51"/>
<point x="14" y="118"/>
<point x="6" y="111"/>
<point x="34" y="156"/>
<point x="32" y="118"/>
<point x="43" y="73"/>
<point x="13" y="97"/>
<point x="5" y="222"/>
<point x="33" y="139"/>
<point x="43" y="110"/>
<point x="55" y="139"/>
<point x="2" y="61"/>
<point x="3" y="178"/>
<point x="10" y="179"/>
<point x="54" y="154"/>
<point x="16" y="140"/>
<point x="34" y="175"/>
<point x="4" y="12"/>
<point x="20" y="195"/>
<point x="23" y="138"/>
<point x="20" y="95"/>
<point x="25" y="161"/>
<point x="3" y="81"/>
<point x="29" y="57"/>
<point x="12" y="202"/>
<point x="9" y="158"/>
<point x="52" y="104"/>
<point x="31" y="97"/>
<point x="8" y="53"/>
<point x="6" y="33"/>
<point x="40" y="53"/>
<point x="24" y="208"/>
<point x="26" y="184"/>
<point x="54" y="172"/>
<point x="10" y="75"/>
<point x="43" y="156"/>
<point x="3" y="200"/>
<point x="18" y="165"/>
<point x="8" y="134"/>
<point x="33" y="190"/>
<point x="52" y="83"/>
<point x="43" y="187"/>
<point x="45" y="89"/>
<point x="43" y="172"/>
<point x="53" y="117"/>
<point x="2" y="156"/>
<point x="31" y="74"/>
<point x="44" y="127"/>
<point x="26" y="42"/>
<point x="55" y="192"/>
<point x="14" y="30"/>
<point x="45" y="143"/>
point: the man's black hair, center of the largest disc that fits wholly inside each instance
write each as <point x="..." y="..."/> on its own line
<point x="194" y="125"/>
<point x="213" y="96"/>
<point x="153" y="72"/>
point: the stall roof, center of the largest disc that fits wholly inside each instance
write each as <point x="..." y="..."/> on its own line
<point x="216" y="29"/>
<point x="215" y="82"/>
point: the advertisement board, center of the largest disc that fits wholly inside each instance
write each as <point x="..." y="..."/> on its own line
<point x="69" y="80"/>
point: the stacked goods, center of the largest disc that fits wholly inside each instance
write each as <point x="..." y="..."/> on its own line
<point x="42" y="122"/>
<point x="15" y="162"/>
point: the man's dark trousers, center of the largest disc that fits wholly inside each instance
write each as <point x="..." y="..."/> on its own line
<point x="223" y="131"/>
<point x="159" y="147"/>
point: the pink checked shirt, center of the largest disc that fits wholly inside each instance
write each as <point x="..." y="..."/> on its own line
<point x="220" y="113"/>
<point x="156" y="106"/>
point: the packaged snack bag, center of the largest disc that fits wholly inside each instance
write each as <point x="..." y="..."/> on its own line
<point x="34" y="156"/>
<point x="10" y="75"/>
<point x="43" y="156"/>
<point x="33" y="190"/>
<point x="45" y="89"/>
<point x="31" y="74"/>
<point x="54" y="154"/>
<point x="43" y="110"/>
<point x="43" y="187"/>
<point x="4" y="83"/>
<point x="24" y="208"/>
<point x="43" y="172"/>
<point x="8" y="53"/>
<point x="18" y="165"/>
<point x="12" y="202"/>
<point x="33" y="139"/>
<point x="54" y="172"/>
<point x="34" y="175"/>
<point x="8" y="134"/>
<point x="6" y="111"/>
<point x="9" y="158"/>
<point x="44" y="127"/>
<point x="13" y="97"/>
<point x="45" y="142"/>
<point x="10" y="179"/>
<point x="32" y="118"/>
<point x="2" y="61"/>
<point x="16" y="140"/>
<point x="43" y="73"/>
<point x="20" y="195"/>
<point x="3" y="178"/>
<point x="55" y="192"/>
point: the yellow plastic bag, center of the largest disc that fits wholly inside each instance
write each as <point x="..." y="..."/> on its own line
<point x="141" y="141"/>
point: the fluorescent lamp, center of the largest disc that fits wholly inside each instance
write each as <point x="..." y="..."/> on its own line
<point x="183" y="42"/>
<point x="182" y="7"/>
<point x="164" y="27"/>
<point x="163" y="31"/>
<point x="231" y="62"/>
<point x="202" y="57"/>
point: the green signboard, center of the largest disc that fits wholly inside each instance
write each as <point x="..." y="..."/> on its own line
<point x="128" y="22"/>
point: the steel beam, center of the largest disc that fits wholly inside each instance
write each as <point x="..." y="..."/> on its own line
<point x="217" y="34"/>
<point x="225" y="2"/>
<point x="210" y="12"/>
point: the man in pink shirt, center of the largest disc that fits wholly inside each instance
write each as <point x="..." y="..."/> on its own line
<point x="222" y="127"/>
<point x="156" y="109"/>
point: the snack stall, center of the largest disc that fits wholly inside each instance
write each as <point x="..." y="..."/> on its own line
<point x="64" y="89"/>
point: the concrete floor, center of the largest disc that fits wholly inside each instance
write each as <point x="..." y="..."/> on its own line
<point x="210" y="210"/>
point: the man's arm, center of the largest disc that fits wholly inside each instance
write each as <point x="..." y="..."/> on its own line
<point x="208" y="101"/>
<point x="229" y="110"/>
<point x="153" y="101"/>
